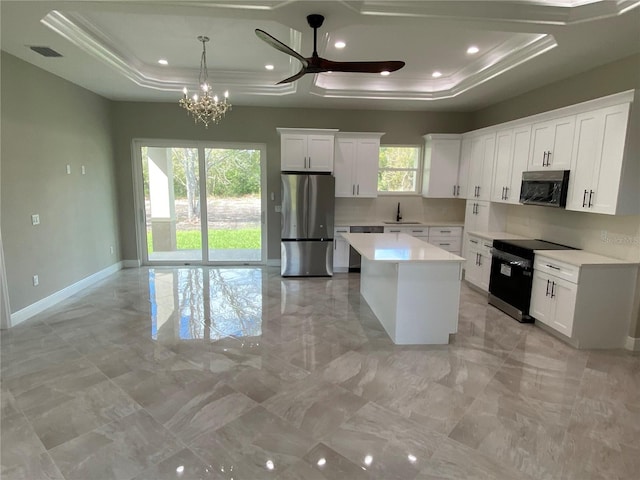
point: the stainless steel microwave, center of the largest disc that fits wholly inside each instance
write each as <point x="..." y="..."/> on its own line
<point x="547" y="188"/>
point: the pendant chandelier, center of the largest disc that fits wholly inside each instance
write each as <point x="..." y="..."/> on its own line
<point x="204" y="107"/>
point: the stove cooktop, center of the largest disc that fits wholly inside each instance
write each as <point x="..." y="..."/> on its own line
<point x="525" y="248"/>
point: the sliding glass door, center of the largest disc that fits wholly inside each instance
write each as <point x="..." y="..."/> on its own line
<point x="200" y="203"/>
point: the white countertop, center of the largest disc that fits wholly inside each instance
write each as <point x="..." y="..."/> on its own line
<point x="381" y="223"/>
<point x="497" y="235"/>
<point x="579" y="258"/>
<point x="397" y="248"/>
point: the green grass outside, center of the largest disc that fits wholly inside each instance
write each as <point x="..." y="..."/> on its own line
<point x="248" y="238"/>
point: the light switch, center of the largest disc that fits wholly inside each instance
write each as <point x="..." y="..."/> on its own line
<point x="278" y="208"/>
<point x="68" y="169"/>
<point x="35" y="219"/>
<point x="83" y="170"/>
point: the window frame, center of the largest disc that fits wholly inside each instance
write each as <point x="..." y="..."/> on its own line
<point x="418" y="170"/>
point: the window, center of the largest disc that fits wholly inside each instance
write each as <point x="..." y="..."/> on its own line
<point x="398" y="169"/>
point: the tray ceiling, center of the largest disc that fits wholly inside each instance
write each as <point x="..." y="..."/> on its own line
<point x="113" y="48"/>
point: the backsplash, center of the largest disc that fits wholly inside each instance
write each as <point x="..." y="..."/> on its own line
<point x="611" y="235"/>
<point x="412" y="208"/>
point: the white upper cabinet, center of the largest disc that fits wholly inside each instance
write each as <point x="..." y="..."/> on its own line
<point x="551" y="144"/>
<point x="597" y="166"/>
<point x="512" y="153"/>
<point x="356" y="164"/>
<point x="304" y="149"/>
<point x="481" y="166"/>
<point x="440" y="177"/>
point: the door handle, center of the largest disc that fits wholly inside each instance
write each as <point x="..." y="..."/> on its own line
<point x="353" y="189"/>
<point x="584" y="199"/>
<point x="553" y="266"/>
<point x="548" y="158"/>
<point x="506" y="193"/>
<point x="479" y="260"/>
<point x="309" y="162"/>
<point x="358" y="189"/>
<point x="553" y="289"/>
<point x="547" y="294"/>
<point x="335" y="243"/>
<point x="544" y="159"/>
<point x="590" y="195"/>
<point x="454" y="190"/>
<point x="458" y="190"/>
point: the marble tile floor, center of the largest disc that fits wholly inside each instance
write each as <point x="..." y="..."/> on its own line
<point x="221" y="373"/>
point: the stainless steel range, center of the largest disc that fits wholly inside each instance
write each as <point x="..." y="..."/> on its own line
<point x="512" y="275"/>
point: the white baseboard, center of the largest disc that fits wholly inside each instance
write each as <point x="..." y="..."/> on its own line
<point x="632" y="344"/>
<point x="48" y="302"/>
<point x="131" y="263"/>
<point x="273" y="262"/>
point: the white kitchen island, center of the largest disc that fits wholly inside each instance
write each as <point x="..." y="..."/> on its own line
<point x="411" y="286"/>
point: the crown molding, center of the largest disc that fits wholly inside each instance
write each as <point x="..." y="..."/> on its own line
<point x="79" y="32"/>
<point x="511" y="54"/>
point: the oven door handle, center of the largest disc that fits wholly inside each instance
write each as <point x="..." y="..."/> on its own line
<point x="513" y="260"/>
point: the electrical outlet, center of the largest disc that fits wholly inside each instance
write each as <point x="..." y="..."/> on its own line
<point x="35" y="219"/>
<point x="111" y="249"/>
<point x="36" y="281"/>
<point x="278" y="208"/>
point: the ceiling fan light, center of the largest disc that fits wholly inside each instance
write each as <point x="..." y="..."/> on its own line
<point x="436" y="74"/>
<point x="162" y="61"/>
<point x="269" y="67"/>
<point x="472" y="50"/>
<point x="340" y="44"/>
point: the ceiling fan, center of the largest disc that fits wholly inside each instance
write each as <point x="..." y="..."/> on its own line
<point x="316" y="64"/>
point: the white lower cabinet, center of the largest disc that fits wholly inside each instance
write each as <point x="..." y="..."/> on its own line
<point x="478" y="266"/>
<point x="419" y="232"/>
<point x="589" y="305"/>
<point x="553" y="302"/>
<point x="447" y="238"/>
<point x="340" y="250"/>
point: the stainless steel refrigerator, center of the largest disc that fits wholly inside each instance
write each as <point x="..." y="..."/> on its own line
<point x="307" y="224"/>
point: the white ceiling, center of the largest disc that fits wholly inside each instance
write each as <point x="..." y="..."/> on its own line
<point x="112" y="47"/>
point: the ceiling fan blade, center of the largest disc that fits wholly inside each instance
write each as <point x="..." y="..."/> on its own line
<point x="295" y="77"/>
<point x="361" y="67"/>
<point x="278" y="45"/>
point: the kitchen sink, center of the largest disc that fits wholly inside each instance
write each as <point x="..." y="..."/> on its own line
<point x="401" y="223"/>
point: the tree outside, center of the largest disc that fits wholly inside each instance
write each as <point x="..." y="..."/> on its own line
<point x="233" y="197"/>
<point x="398" y="169"/>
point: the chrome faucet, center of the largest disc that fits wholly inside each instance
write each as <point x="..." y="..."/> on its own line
<point x="398" y="216"/>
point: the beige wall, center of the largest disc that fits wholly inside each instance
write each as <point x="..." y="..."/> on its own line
<point x="48" y="123"/>
<point x="256" y="125"/>
<point x="614" y="236"/>
<point x="605" y="80"/>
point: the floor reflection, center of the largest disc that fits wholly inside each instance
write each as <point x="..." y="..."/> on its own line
<point x="205" y="303"/>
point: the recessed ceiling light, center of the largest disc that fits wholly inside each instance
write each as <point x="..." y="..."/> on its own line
<point x="436" y="74"/>
<point x="384" y="73"/>
<point x="340" y="44"/>
<point x="472" y="50"/>
<point x="269" y="67"/>
<point x="162" y="61"/>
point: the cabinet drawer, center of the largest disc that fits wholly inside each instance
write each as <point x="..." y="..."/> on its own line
<point x="338" y="231"/>
<point x="445" y="243"/>
<point x="558" y="269"/>
<point x="394" y="230"/>
<point x="445" y="232"/>
<point x="417" y="231"/>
